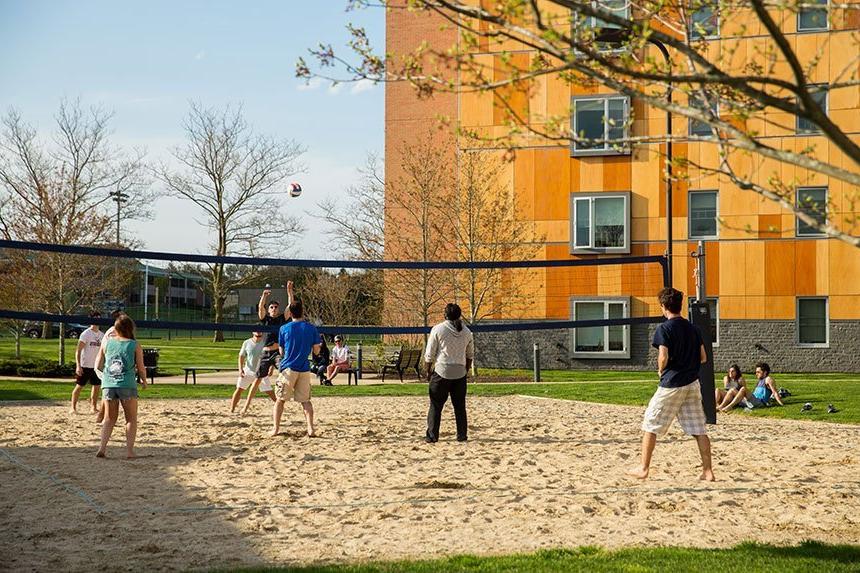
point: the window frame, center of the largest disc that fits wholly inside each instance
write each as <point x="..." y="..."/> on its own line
<point x="594" y="151"/>
<point x="605" y="354"/>
<point x="716" y="317"/>
<point x="797" y="222"/>
<point x="815" y="129"/>
<point x="826" y="6"/>
<point x="716" y="234"/>
<point x="826" y="343"/>
<point x="590" y="197"/>
<point x="715" y="13"/>
<point x="692" y="122"/>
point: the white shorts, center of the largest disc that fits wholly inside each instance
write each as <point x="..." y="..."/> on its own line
<point x="684" y="403"/>
<point x="244" y="382"/>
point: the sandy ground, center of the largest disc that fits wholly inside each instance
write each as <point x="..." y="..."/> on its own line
<point x="214" y="491"/>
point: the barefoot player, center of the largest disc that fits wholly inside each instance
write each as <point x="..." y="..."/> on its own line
<point x="270" y="315"/>
<point x="297" y="340"/>
<point x="86" y="353"/>
<point x="680" y="352"/>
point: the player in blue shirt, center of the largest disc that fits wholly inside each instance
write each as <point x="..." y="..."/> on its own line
<point x="680" y="352"/>
<point x="296" y="341"/>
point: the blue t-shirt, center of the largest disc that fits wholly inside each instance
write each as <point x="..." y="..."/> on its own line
<point x="683" y="340"/>
<point x="297" y="339"/>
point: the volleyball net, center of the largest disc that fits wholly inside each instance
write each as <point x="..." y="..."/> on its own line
<point x="588" y="306"/>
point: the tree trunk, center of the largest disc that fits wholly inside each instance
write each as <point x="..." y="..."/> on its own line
<point x="62" y="352"/>
<point x="46" y="330"/>
<point x="218" y="308"/>
<point x="17" y="342"/>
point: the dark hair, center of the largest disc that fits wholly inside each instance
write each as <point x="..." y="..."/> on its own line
<point x="272" y="302"/>
<point x="671" y="299"/>
<point x="764" y="366"/>
<point x="323" y="344"/>
<point x="116" y="314"/>
<point x="95" y="314"/>
<point x="737" y="369"/>
<point x="124" y="326"/>
<point x="453" y="312"/>
<point x="296" y="309"/>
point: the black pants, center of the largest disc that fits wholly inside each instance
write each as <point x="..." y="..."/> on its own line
<point x="440" y="388"/>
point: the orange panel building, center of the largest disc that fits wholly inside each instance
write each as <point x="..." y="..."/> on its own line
<point x="780" y="291"/>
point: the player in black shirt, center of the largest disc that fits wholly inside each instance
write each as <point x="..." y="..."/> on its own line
<point x="270" y="314"/>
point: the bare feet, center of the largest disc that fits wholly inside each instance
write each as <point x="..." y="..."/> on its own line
<point x="130" y="457"/>
<point x="100" y="454"/>
<point x="311" y="433"/>
<point x="72" y="410"/>
<point x="707" y="475"/>
<point x="274" y="432"/>
<point x="638" y="472"/>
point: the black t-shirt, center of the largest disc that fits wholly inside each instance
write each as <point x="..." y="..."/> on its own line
<point x="272" y="337"/>
<point x="683" y="340"/>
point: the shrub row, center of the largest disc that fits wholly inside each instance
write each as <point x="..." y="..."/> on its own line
<point x="36" y="368"/>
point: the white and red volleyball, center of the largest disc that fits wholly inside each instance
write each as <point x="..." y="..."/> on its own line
<point x="295" y="189"/>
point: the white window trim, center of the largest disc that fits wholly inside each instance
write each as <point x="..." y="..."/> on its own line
<point x="590" y="21"/>
<point x="826" y="343"/>
<point x="623" y="149"/>
<point x="797" y="221"/>
<point x="614" y="354"/>
<point x="715" y="36"/>
<point x="716" y="299"/>
<point x="690" y="234"/>
<point x="797" y="119"/>
<point x="826" y="27"/>
<point x="574" y="249"/>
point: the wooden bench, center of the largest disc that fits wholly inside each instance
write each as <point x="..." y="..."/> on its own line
<point x="409" y="359"/>
<point x="373" y="359"/>
<point x="194" y="369"/>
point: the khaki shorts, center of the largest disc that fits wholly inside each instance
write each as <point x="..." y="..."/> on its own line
<point x="295" y="386"/>
<point x="684" y="403"/>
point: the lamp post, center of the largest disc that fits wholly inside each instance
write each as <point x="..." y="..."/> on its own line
<point x="618" y="36"/>
<point x="119" y="198"/>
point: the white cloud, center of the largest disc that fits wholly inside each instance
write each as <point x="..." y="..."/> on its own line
<point x="362" y="86"/>
<point x="309" y="85"/>
<point x="335" y="89"/>
<point x="200" y="55"/>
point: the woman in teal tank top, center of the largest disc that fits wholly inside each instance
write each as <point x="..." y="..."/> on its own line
<point x="121" y="362"/>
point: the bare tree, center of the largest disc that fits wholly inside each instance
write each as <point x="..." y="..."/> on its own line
<point x="344" y="298"/>
<point x="58" y="192"/>
<point x="356" y="220"/>
<point x="745" y="91"/>
<point x="236" y="178"/>
<point x="486" y="229"/>
<point x="421" y="198"/>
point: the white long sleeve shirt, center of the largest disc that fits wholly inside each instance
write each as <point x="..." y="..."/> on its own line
<point x="449" y="349"/>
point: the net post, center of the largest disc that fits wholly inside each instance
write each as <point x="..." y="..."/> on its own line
<point x="701" y="317"/>
<point x="664" y="263"/>
<point x="537" y="362"/>
<point x="358" y="357"/>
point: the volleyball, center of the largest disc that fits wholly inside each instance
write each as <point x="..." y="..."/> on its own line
<point x="295" y="189"/>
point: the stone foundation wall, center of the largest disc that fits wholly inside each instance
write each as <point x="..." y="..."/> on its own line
<point x="743" y="341"/>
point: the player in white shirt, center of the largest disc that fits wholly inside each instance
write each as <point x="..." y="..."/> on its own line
<point x="86" y="353"/>
<point x="249" y="363"/>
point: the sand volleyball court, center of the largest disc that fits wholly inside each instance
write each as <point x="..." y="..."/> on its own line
<point x="213" y="490"/>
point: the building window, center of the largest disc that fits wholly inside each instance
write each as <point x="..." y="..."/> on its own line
<point x="620" y="8"/>
<point x="600" y="223"/>
<point x="703" y="215"/>
<point x="701" y="128"/>
<point x="714" y="311"/>
<point x="819" y="95"/>
<point x="601" y="341"/>
<point x="705" y="22"/>
<point x="600" y="121"/>
<point x="813" y="324"/>
<point x="812" y="18"/>
<point x="813" y="200"/>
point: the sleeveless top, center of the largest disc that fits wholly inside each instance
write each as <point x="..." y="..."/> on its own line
<point x="762" y="392"/>
<point x="119" y="368"/>
<point x="734" y="384"/>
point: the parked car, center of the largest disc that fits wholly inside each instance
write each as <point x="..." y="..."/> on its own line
<point x="34" y="329"/>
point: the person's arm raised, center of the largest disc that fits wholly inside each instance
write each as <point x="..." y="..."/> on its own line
<point x="291" y="296"/>
<point x="261" y="307"/>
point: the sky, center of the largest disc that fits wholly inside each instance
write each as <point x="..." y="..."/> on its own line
<point x="146" y="60"/>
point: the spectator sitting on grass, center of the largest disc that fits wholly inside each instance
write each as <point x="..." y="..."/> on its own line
<point x="734" y="389"/>
<point x="764" y="391"/>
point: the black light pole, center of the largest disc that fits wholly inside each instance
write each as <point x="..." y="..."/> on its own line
<point x="617" y="36"/>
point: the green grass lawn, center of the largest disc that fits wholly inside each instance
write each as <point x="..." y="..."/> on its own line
<point x="746" y="557"/>
<point x="843" y="391"/>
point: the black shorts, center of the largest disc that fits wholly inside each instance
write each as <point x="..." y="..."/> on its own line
<point x="268" y="359"/>
<point x="88" y="375"/>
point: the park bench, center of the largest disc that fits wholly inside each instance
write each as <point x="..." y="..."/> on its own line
<point x="150" y="362"/>
<point x="373" y="359"/>
<point x="407" y="359"/>
<point x="193" y="370"/>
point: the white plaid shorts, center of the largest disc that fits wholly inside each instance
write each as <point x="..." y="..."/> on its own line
<point x="684" y="403"/>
